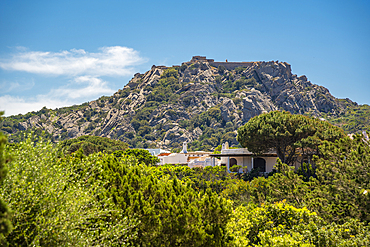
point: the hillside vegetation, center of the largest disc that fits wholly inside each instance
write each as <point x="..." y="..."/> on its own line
<point x="354" y="119"/>
<point x="113" y="199"/>
<point x="195" y="102"/>
<point x="92" y="144"/>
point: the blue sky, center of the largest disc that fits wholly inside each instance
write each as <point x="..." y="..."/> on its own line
<point x="60" y="53"/>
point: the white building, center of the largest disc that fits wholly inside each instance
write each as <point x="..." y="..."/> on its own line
<point x="172" y="158"/>
<point x="247" y="160"/>
<point x="157" y="151"/>
<point x="202" y="162"/>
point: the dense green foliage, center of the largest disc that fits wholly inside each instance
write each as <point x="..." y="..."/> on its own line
<point x="214" y="130"/>
<point x="171" y="213"/>
<point x="82" y="200"/>
<point x="284" y="133"/>
<point x="339" y="190"/>
<point x="92" y="144"/>
<point x="10" y="124"/>
<point x="213" y="178"/>
<point x="164" y="90"/>
<point x="343" y="180"/>
<point x="354" y="119"/>
<point x="5" y="224"/>
<point x="280" y="224"/>
<point x="141" y="155"/>
<point x="53" y="200"/>
<point x="116" y="200"/>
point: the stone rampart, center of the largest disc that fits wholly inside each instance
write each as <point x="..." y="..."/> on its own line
<point x="201" y="58"/>
<point x="164" y="67"/>
<point x="232" y="65"/>
<point x="227" y="65"/>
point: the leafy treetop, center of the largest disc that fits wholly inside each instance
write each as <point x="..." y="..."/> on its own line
<point x="5" y="224"/>
<point x="285" y="133"/>
<point x="92" y="144"/>
<point x="142" y="156"/>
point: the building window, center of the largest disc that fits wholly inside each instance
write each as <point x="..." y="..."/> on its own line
<point x="233" y="162"/>
<point x="260" y="164"/>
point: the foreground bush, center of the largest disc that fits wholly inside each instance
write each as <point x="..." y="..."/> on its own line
<point x="104" y="200"/>
<point x="55" y="205"/>
<point x="280" y="224"/>
<point x="5" y="224"/>
<point x="170" y="211"/>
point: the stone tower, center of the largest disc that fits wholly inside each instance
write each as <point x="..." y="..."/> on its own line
<point x="184" y="148"/>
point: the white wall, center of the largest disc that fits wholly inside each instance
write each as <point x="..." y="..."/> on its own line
<point x="247" y="162"/>
<point x="174" y="159"/>
<point x="203" y="163"/>
<point x="270" y="163"/>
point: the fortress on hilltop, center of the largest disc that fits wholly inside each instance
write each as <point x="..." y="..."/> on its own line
<point x="227" y="65"/>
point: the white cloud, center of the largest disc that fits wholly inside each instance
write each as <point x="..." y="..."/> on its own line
<point x="13" y="105"/>
<point x="80" y="69"/>
<point x="110" y="61"/>
<point x="88" y="87"/>
<point x="91" y="86"/>
<point x="6" y="86"/>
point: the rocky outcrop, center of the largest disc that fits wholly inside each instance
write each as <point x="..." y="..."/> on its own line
<point x="135" y="112"/>
<point x="255" y="103"/>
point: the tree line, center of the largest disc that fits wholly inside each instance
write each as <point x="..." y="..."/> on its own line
<point x="53" y="197"/>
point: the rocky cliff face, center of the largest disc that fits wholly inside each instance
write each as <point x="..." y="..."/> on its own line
<point x="194" y="103"/>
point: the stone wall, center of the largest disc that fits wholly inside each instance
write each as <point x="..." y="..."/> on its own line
<point x="201" y="58"/>
<point x="227" y="65"/>
<point x="232" y="65"/>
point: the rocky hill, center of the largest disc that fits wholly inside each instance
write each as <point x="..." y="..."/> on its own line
<point x="201" y="102"/>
